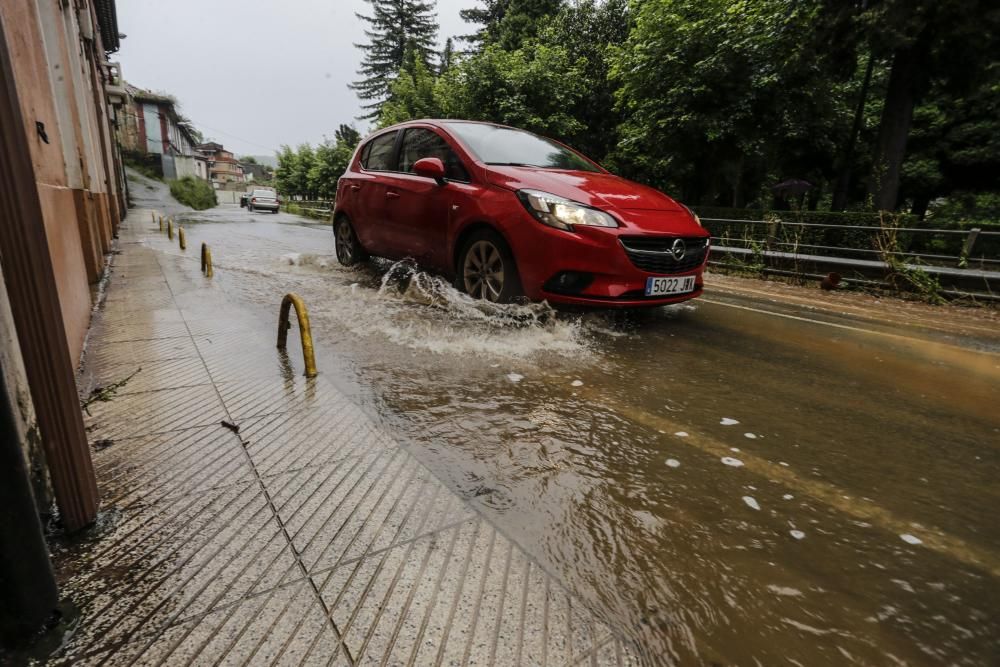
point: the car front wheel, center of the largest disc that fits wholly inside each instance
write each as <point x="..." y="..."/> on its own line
<point x="486" y="269"/>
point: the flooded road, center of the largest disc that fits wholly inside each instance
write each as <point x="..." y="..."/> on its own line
<point x="742" y="480"/>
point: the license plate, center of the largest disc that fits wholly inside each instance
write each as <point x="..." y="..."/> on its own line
<point x="666" y="286"/>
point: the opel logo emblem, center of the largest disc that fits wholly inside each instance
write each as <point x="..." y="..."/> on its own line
<point x="678" y="249"/>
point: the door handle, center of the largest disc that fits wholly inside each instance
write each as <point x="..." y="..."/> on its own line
<point x="355" y="187"/>
<point x="391" y="195"/>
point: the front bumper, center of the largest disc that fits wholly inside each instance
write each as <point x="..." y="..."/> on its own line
<point x="543" y="253"/>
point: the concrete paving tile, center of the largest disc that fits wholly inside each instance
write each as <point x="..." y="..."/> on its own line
<point x="310" y="437"/>
<point x="117" y="332"/>
<point x="132" y="415"/>
<point x="152" y="468"/>
<point x="151" y="375"/>
<point x="139" y="351"/>
<point x="146" y="572"/>
<point x="264" y="396"/>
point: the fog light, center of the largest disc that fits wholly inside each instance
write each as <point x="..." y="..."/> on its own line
<point x="568" y="282"/>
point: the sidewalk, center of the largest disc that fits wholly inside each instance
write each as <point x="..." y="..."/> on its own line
<point x="308" y="537"/>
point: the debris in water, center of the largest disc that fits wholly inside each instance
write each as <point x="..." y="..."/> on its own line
<point x="782" y="463"/>
<point x="726" y="421"/>
<point x="750" y="436"/>
<point x="787" y="496"/>
<point x="232" y="427"/>
<point x="730" y="461"/>
<point x="103" y="443"/>
<point x="577" y="383"/>
<point x="911" y="539"/>
<point x="673" y="463"/>
<point x="786" y="591"/>
<point x="515" y="377"/>
<point x="797" y="534"/>
<point x="751" y="503"/>
<point x="734" y="449"/>
<point x="681" y="434"/>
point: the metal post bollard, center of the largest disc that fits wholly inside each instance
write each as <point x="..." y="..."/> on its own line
<point x="181" y="239"/>
<point x="206" y="260"/>
<point x="170" y="229"/>
<point x="161" y="223"/>
<point x="304" y="331"/>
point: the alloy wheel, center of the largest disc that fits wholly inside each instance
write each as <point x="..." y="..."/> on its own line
<point x="345" y="243"/>
<point x="483" y="271"/>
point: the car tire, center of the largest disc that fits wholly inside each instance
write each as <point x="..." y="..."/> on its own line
<point x="275" y="211"/>
<point x="486" y="268"/>
<point x="349" y="250"/>
<point x="249" y="208"/>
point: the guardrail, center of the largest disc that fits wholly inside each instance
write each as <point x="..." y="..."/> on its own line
<point x="318" y="209"/>
<point x="959" y="259"/>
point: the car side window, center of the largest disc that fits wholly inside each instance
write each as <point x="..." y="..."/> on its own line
<point x="378" y="154"/>
<point x="419" y="143"/>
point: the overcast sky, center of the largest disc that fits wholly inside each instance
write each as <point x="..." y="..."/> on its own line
<point x="255" y="74"/>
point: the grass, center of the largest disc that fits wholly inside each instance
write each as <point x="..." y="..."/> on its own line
<point x="194" y="192"/>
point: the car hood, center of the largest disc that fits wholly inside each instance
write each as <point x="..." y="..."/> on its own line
<point x="593" y="189"/>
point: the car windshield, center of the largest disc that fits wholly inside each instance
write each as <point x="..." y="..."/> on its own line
<point x="263" y="193"/>
<point x="498" y="145"/>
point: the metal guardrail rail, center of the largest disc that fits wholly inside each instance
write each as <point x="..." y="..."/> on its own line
<point x="962" y="259"/>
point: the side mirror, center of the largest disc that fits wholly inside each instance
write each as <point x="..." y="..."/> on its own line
<point x="430" y="167"/>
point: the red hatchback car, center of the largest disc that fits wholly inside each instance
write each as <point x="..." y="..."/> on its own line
<point x="508" y="213"/>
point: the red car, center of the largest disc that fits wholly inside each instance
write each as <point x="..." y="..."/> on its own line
<point x="507" y="213"/>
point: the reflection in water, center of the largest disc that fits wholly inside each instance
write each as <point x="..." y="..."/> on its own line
<point x="724" y="486"/>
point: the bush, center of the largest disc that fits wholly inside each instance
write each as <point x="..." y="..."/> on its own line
<point x="194" y="192"/>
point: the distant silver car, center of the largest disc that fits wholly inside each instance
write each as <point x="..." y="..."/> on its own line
<point x="265" y="200"/>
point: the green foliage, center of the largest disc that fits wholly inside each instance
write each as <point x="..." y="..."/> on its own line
<point x="395" y="29"/>
<point x="411" y="95"/>
<point x="313" y="173"/>
<point x="509" y="23"/>
<point x="194" y="192"/>
<point x="535" y="87"/>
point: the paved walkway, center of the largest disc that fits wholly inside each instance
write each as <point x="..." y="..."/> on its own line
<point x="308" y="537"/>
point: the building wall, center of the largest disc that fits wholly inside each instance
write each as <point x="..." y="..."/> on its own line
<point x="184" y="166"/>
<point x="59" y="87"/>
<point x="154" y="132"/>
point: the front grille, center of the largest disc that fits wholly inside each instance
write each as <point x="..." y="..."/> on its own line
<point x="653" y="253"/>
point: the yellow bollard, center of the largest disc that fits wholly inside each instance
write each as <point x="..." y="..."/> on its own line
<point x="181" y="239"/>
<point x="206" y="260"/>
<point x="153" y="215"/>
<point x="170" y="229"/>
<point x="161" y="223"/>
<point x="304" y="331"/>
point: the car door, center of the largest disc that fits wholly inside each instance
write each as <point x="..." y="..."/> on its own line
<point x="378" y="159"/>
<point x="418" y="209"/>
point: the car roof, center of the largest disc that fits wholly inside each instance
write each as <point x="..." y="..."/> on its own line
<point x="440" y="122"/>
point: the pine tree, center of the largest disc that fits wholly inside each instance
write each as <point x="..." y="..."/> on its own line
<point x="508" y="23"/>
<point x="394" y="27"/>
<point x="447" y="56"/>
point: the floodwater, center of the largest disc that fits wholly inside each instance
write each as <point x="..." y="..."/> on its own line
<point x="742" y="480"/>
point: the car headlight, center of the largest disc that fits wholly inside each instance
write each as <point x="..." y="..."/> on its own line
<point x="562" y="213"/>
<point x="694" y="215"/>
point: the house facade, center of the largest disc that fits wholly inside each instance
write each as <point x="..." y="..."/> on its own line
<point x="223" y="167"/>
<point x="154" y="132"/>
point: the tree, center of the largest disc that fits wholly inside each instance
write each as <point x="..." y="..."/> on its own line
<point x="923" y="40"/>
<point x="535" y="87"/>
<point x="348" y="136"/>
<point x="248" y="159"/>
<point x="395" y="27"/>
<point x="722" y="97"/>
<point x="329" y="163"/>
<point x="447" y="56"/>
<point x="587" y="30"/>
<point x="509" y="23"/>
<point x="411" y="95"/>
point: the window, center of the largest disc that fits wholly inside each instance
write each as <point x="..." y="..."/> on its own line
<point x="378" y="154"/>
<point x="498" y="145"/>
<point x="419" y="143"/>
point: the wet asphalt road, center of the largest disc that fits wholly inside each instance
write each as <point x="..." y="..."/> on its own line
<point x="764" y="476"/>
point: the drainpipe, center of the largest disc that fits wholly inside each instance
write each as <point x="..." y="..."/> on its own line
<point x="29" y="587"/>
